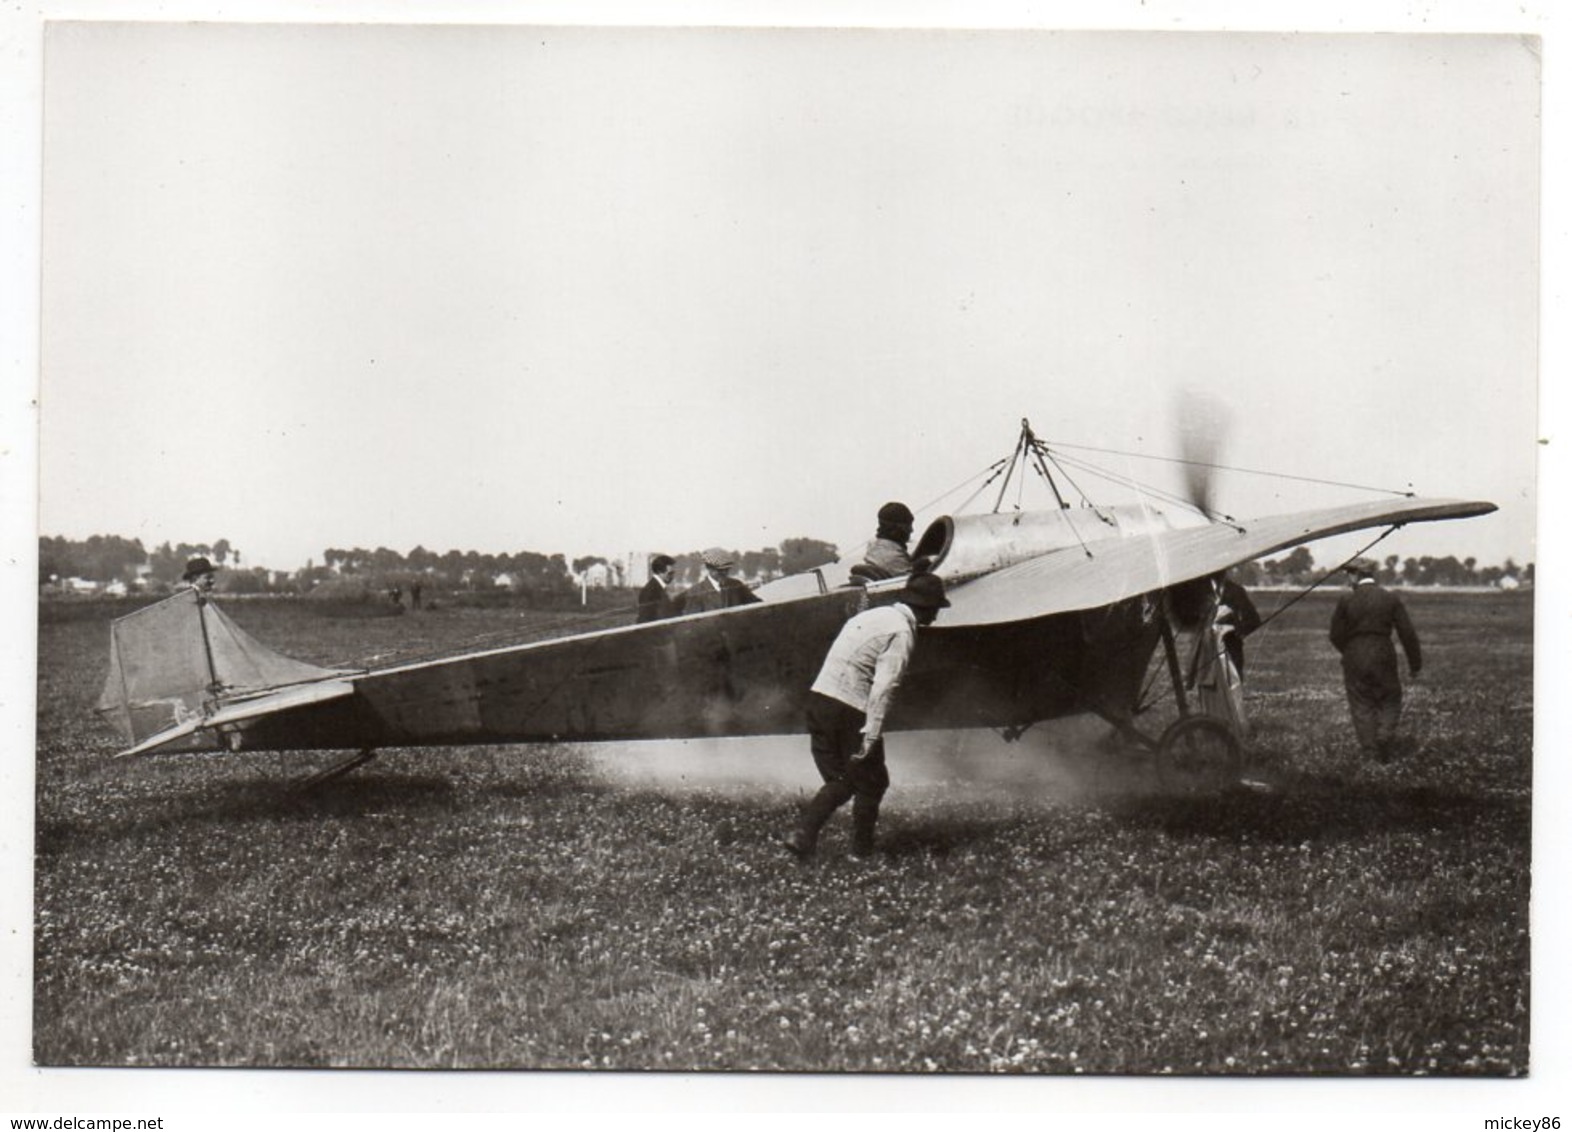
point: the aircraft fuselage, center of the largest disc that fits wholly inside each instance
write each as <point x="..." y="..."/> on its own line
<point x="742" y="671"/>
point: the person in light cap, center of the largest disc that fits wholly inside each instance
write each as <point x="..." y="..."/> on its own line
<point x="1362" y="627"/>
<point x="1362" y="568"/>
<point x="717" y="589"/>
<point x="848" y="706"/>
<point x="886" y="556"/>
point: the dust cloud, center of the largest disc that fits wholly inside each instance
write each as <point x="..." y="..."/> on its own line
<point x="1059" y="760"/>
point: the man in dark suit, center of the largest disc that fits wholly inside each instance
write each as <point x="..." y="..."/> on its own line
<point x="1362" y="627"/>
<point x="656" y="601"/>
<point x="1237" y="618"/>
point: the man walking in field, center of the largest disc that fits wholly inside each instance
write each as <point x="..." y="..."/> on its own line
<point x="1362" y="628"/>
<point x="847" y="707"/>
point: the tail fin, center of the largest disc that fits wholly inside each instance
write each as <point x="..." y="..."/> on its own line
<point x="172" y="664"/>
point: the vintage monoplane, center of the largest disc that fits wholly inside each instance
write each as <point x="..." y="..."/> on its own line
<point x="1053" y="612"/>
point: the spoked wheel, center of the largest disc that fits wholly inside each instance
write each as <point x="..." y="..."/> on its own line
<point x="1199" y="755"/>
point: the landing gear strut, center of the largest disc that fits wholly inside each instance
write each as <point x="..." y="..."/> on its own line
<point x="1199" y="755"/>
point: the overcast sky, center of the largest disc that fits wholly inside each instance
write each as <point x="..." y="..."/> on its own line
<point x="612" y="289"/>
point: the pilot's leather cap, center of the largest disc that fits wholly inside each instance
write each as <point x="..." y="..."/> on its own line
<point x="896" y="515"/>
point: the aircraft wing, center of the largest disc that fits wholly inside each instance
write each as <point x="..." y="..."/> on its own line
<point x="1111" y="569"/>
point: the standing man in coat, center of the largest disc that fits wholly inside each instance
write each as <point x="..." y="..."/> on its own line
<point x="1362" y="627"/>
<point x="717" y="589"/>
<point x="847" y="707"/>
<point x="1237" y="618"/>
<point x="656" y="601"/>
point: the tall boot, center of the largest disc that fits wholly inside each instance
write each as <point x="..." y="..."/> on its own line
<point x="865" y="815"/>
<point x="831" y="796"/>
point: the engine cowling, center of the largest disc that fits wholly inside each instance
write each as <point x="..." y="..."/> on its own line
<point x="964" y="546"/>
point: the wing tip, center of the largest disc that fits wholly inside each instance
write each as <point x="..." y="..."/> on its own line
<point x="1455" y="508"/>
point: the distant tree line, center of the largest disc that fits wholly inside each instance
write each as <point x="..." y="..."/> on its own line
<point x="112" y="561"/>
<point x="1299" y="568"/>
<point x="119" y="563"/>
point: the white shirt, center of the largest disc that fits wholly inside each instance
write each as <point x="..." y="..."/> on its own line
<point x="867" y="661"/>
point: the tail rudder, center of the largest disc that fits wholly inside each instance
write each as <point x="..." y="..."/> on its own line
<point x="173" y="664"/>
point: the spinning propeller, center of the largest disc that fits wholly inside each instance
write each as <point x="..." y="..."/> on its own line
<point x="1203" y="423"/>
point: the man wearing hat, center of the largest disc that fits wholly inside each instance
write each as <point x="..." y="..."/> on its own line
<point x="1362" y="628"/>
<point x="886" y="555"/>
<point x="201" y="575"/>
<point x="847" y="707"/>
<point x="717" y="589"/>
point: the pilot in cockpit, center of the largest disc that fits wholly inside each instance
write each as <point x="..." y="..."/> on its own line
<point x="886" y="556"/>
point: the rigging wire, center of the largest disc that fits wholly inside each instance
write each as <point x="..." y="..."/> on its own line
<point x="1231" y="468"/>
<point x="1322" y="580"/>
<point x="1030" y="450"/>
<point x="972" y="498"/>
<point x="562" y="624"/>
<point x="1051" y="458"/>
<point x="1010" y="471"/>
<point x="1133" y="484"/>
<point x="991" y="471"/>
<point x="549" y="628"/>
<point x="1040" y="451"/>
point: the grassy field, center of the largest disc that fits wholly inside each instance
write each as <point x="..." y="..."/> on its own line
<point x="1035" y="907"/>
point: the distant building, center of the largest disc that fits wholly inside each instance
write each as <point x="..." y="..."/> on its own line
<point x="638" y="568"/>
<point x="600" y="575"/>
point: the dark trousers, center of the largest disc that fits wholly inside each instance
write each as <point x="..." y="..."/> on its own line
<point x="1375" y="693"/>
<point x="835" y="735"/>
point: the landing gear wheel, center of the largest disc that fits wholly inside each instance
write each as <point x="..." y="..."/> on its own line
<point x="1199" y="755"/>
